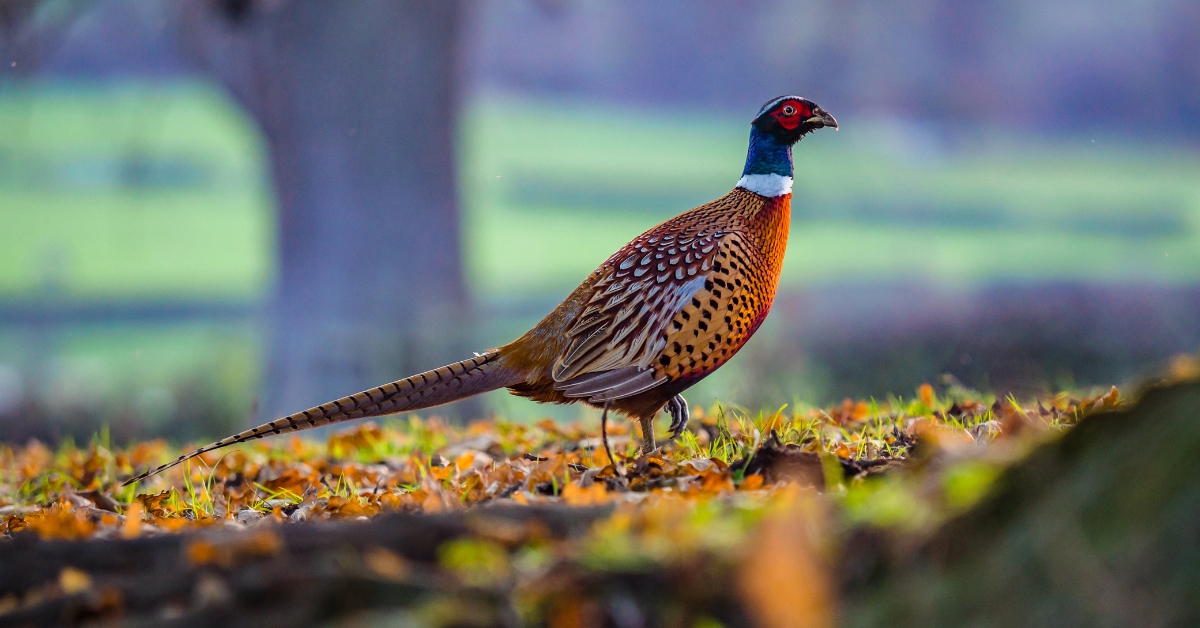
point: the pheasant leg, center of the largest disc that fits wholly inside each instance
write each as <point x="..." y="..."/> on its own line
<point x="648" y="435"/>
<point x="604" y="439"/>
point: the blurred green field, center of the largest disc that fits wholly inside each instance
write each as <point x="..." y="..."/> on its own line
<point x="131" y="191"/>
<point x="553" y="188"/>
<point x="157" y="192"/>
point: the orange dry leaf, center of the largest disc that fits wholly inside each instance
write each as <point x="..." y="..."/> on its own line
<point x="925" y="394"/>
<point x="715" y="482"/>
<point x="350" y="507"/>
<point x="386" y="564"/>
<point x="261" y="543"/>
<point x="12" y="524"/>
<point x="471" y="488"/>
<point x="234" y="461"/>
<point x="752" y="482"/>
<point x="343" y="444"/>
<point x="155" y="504"/>
<point x="132" y="527"/>
<point x="292" y="482"/>
<point x="549" y="426"/>
<point x="72" y="581"/>
<point x="1112" y="397"/>
<point x="172" y="524"/>
<point x="33" y="460"/>
<point x="145" y="453"/>
<point x="201" y="552"/>
<point x="231" y="550"/>
<point x="939" y="435"/>
<point x="441" y="474"/>
<point x="576" y="495"/>
<point x="572" y="613"/>
<point x="783" y="579"/>
<point x="850" y="411"/>
<point x="57" y="522"/>
<point x="84" y="469"/>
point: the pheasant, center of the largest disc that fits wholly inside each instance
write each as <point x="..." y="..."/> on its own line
<point x="659" y="315"/>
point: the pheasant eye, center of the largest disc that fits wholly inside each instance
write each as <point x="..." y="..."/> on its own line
<point x="789" y="110"/>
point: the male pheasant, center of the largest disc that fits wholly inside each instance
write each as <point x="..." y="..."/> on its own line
<point x="658" y="315"/>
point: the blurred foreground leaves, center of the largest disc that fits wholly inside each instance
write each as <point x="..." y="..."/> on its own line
<point x="777" y="519"/>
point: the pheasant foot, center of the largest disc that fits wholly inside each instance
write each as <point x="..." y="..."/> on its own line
<point x="678" y="409"/>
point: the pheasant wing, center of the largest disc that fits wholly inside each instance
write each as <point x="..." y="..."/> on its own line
<point x="622" y="331"/>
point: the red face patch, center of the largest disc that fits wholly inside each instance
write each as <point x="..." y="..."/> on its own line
<point x="790" y="113"/>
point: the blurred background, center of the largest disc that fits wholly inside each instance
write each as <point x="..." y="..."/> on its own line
<point x="215" y="212"/>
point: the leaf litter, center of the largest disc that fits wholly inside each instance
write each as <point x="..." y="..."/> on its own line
<point x="768" y="492"/>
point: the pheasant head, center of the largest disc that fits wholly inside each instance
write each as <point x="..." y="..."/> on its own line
<point x="779" y="124"/>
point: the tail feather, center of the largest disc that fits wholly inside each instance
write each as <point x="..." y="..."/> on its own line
<point x="482" y="373"/>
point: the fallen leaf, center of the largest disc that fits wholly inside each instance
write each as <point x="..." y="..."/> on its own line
<point x="783" y="579"/>
<point x="386" y="564"/>
<point x="57" y="522"/>
<point x="576" y="495"/>
<point x="752" y="482"/>
<point x="228" y="551"/>
<point x="155" y="504"/>
<point x="73" y="580"/>
<point x="925" y="394"/>
<point x="132" y="527"/>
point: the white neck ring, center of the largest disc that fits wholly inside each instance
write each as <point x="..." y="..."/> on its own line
<point x="766" y="184"/>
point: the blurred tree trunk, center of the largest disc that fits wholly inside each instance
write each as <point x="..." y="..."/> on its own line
<point x="357" y="102"/>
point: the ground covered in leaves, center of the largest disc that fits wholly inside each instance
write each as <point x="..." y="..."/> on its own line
<point x="743" y="510"/>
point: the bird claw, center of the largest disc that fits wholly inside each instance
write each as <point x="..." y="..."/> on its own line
<point x="678" y="409"/>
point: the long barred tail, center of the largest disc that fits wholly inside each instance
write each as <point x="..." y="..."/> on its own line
<point x="482" y="373"/>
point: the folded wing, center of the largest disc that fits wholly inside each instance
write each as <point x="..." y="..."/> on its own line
<point x="622" y="331"/>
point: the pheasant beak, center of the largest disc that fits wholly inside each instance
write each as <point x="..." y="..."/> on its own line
<point x="824" y="120"/>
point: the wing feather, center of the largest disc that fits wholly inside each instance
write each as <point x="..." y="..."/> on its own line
<point x="591" y="383"/>
<point x="614" y="345"/>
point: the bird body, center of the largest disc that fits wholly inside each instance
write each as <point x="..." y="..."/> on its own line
<point x="663" y="312"/>
<point x="657" y="316"/>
